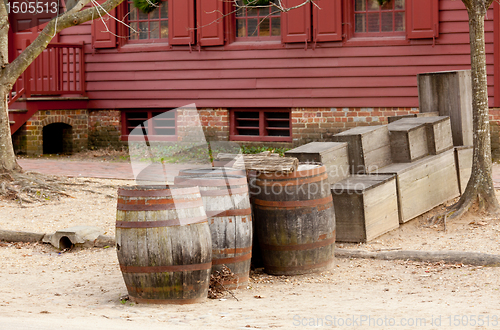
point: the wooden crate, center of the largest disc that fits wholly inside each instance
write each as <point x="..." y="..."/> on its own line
<point x="365" y="207"/>
<point x="392" y="119"/>
<point x="463" y="162"/>
<point x="332" y="154"/>
<point x="369" y="147"/>
<point x="449" y="93"/>
<point x="439" y="136"/>
<point x="424" y="184"/>
<point x="408" y="141"/>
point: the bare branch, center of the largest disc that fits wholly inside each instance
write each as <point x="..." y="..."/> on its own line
<point x="279" y="6"/>
<point x="72" y="17"/>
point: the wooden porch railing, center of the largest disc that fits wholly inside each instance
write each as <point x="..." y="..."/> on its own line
<point x="58" y="70"/>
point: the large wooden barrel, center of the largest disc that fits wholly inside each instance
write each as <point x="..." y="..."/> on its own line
<point x="295" y="220"/>
<point x="227" y="206"/>
<point x="211" y="171"/>
<point x="164" y="244"/>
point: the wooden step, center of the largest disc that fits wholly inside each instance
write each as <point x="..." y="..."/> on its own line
<point x="369" y="147"/>
<point x="424" y="184"/>
<point x="12" y="122"/>
<point x="408" y="141"/>
<point x="366" y="206"/>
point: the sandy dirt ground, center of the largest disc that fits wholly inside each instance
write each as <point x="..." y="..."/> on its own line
<point x="42" y="288"/>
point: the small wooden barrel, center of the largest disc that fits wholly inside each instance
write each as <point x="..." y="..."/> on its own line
<point x="211" y="171"/>
<point x="163" y="243"/>
<point x="295" y="221"/>
<point x="229" y="216"/>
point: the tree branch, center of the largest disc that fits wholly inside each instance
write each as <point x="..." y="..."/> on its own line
<point x="72" y="17"/>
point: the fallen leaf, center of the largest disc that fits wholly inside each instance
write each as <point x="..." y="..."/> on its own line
<point x="259" y="297"/>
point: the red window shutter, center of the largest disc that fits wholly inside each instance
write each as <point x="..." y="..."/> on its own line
<point x="327" y="20"/>
<point x="104" y="31"/>
<point x="210" y="22"/>
<point x="296" y="23"/>
<point x="422" y="18"/>
<point x="181" y="22"/>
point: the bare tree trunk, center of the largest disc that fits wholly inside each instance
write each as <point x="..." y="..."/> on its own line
<point x="8" y="161"/>
<point x="480" y="186"/>
<point x="7" y="158"/>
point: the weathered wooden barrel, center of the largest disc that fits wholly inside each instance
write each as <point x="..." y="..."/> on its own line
<point x="295" y="220"/>
<point x="163" y="244"/>
<point x="227" y="206"/>
<point x="211" y="171"/>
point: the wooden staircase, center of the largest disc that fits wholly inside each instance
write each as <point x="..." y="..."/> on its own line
<point x="58" y="71"/>
<point x="17" y="117"/>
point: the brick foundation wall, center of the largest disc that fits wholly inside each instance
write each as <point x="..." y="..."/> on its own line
<point x="102" y="128"/>
<point x="215" y="123"/>
<point x="320" y="124"/>
<point x="29" y="138"/>
<point x="105" y="129"/>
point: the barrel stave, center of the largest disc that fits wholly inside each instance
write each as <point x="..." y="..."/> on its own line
<point x="164" y="263"/>
<point x="295" y="226"/>
<point x="227" y="205"/>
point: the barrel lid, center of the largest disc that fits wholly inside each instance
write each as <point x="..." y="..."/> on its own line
<point x="156" y="191"/>
<point x="303" y="170"/>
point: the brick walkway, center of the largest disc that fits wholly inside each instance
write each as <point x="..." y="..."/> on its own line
<point x="104" y="170"/>
<point x="107" y="170"/>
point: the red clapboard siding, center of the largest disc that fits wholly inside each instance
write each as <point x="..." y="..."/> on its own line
<point x="277" y="73"/>
<point x="332" y="75"/>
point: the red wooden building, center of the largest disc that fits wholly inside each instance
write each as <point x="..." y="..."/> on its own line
<point x="254" y="74"/>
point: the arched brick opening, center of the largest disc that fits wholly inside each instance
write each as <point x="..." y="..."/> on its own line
<point x="57" y="138"/>
<point x="57" y="119"/>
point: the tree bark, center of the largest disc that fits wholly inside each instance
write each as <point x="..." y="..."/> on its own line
<point x="480" y="187"/>
<point x="7" y="157"/>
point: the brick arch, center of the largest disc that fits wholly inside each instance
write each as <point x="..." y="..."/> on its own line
<point x="57" y="119"/>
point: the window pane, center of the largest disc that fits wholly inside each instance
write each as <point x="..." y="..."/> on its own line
<point x="155" y="14"/>
<point x="264" y="28"/>
<point x="399" y="19"/>
<point x="240" y="12"/>
<point x="142" y="16"/>
<point x="252" y="12"/>
<point x="133" y="12"/>
<point x="387" y="5"/>
<point x="387" y="22"/>
<point x="373" y="22"/>
<point x="143" y="30"/>
<point x="164" y="29"/>
<point x="379" y="19"/>
<point x="373" y="5"/>
<point x="133" y="35"/>
<point x="360" y="23"/>
<point x="360" y="5"/>
<point x="155" y="30"/>
<point x="276" y="27"/>
<point x="252" y="27"/>
<point x="164" y="9"/>
<point x="258" y="22"/>
<point x="241" y="29"/>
